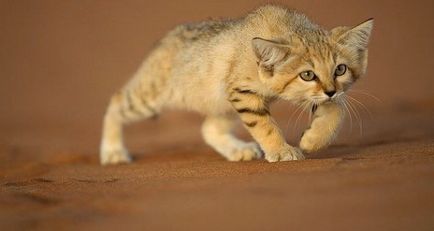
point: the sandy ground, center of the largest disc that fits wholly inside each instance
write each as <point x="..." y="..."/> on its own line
<point x="61" y="60"/>
<point x="382" y="180"/>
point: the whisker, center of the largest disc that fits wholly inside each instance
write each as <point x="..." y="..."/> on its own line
<point x="339" y="94"/>
<point x="305" y="105"/>
<point x="311" y="112"/>
<point x="349" y="113"/>
<point x="367" y="94"/>
<point x="357" y="115"/>
<point x="290" y="117"/>
<point x="362" y="105"/>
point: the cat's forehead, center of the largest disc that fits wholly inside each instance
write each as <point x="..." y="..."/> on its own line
<point x="321" y="52"/>
<point x="316" y="44"/>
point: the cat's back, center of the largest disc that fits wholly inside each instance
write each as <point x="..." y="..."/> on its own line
<point x="200" y="39"/>
<point x="190" y="44"/>
<point x="198" y="45"/>
<point x="201" y="31"/>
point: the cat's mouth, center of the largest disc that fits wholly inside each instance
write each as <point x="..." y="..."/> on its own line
<point x="318" y="100"/>
<point x="316" y="104"/>
<point x="314" y="107"/>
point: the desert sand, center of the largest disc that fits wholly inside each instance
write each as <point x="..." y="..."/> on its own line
<point x="60" y="62"/>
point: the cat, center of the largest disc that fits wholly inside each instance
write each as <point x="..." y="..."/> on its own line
<point x="233" y="69"/>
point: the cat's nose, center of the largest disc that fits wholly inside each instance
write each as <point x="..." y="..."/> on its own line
<point x="330" y="93"/>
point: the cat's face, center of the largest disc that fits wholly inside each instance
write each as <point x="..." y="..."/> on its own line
<point x="317" y="68"/>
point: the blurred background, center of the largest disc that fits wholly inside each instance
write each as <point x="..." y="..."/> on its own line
<point x="61" y="60"/>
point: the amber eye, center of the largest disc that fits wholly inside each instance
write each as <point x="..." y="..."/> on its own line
<point x="307" y="75"/>
<point x="340" y="70"/>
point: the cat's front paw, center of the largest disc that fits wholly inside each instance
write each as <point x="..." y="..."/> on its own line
<point x="286" y="153"/>
<point x="245" y="152"/>
<point x="311" y="143"/>
<point x="116" y="156"/>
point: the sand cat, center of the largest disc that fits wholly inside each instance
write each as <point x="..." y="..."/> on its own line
<point x="232" y="70"/>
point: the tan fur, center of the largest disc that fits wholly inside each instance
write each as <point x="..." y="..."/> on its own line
<point x="235" y="69"/>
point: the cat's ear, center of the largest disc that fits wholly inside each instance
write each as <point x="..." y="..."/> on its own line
<point x="268" y="52"/>
<point x="357" y="37"/>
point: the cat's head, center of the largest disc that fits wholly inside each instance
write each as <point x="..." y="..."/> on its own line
<point x="316" y="67"/>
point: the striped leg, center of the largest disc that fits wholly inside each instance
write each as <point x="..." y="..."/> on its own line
<point x="125" y="107"/>
<point x="217" y="133"/>
<point x="254" y="113"/>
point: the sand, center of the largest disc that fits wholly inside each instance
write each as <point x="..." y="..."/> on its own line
<point x="382" y="180"/>
<point x="60" y="62"/>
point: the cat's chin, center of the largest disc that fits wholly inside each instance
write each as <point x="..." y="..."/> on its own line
<point x="319" y="102"/>
<point x="324" y="101"/>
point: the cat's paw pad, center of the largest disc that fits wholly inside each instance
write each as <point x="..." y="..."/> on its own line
<point x="115" y="157"/>
<point x="245" y="152"/>
<point x="285" y="154"/>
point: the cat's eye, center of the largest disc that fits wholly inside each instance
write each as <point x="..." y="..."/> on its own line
<point x="340" y="70"/>
<point x="307" y="75"/>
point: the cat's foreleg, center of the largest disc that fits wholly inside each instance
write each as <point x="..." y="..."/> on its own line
<point x="265" y="131"/>
<point x="253" y="111"/>
<point x="216" y="131"/>
<point x="325" y="125"/>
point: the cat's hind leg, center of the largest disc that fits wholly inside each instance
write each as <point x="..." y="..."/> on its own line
<point x="216" y="131"/>
<point x="125" y="107"/>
